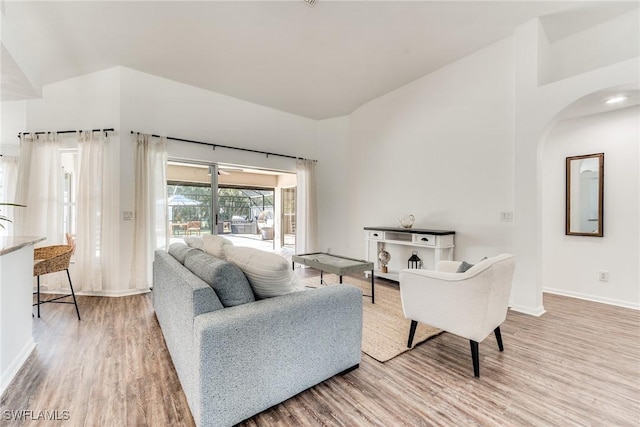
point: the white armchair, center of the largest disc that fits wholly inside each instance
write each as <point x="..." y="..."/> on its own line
<point x="470" y="304"/>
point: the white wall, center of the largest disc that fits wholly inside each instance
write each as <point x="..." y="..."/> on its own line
<point x="335" y="188"/>
<point x="165" y="107"/>
<point x="86" y="102"/>
<point x="441" y="149"/>
<point x="13" y="116"/>
<point x="610" y="42"/>
<point x="571" y="263"/>
<point x="536" y="110"/>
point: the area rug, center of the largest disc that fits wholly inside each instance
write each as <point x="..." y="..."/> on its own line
<point x="385" y="330"/>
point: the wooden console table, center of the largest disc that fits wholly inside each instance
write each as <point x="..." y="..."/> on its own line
<point x="431" y="245"/>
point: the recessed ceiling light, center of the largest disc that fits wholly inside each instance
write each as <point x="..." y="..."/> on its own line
<point x="616" y="99"/>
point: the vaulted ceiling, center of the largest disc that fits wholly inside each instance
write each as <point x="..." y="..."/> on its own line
<point x="318" y="62"/>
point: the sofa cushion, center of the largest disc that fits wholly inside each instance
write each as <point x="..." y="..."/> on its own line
<point x="194" y="242"/>
<point x="226" y="279"/>
<point x="216" y="245"/>
<point x="179" y="250"/>
<point x="269" y="274"/>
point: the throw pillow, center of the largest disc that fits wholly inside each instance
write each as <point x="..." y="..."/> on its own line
<point x="216" y="245"/>
<point x="226" y="279"/>
<point x="269" y="274"/>
<point x="194" y="242"/>
<point x="179" y="251"/>
<point x="464" y="266"/>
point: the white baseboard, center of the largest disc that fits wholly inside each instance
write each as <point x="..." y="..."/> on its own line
<point x="16" y="364"/>
<point x="118" y="293"/>
<point x="114" y="293"/>
<point x="593" y="298"/>
<point x="537" y="312"/>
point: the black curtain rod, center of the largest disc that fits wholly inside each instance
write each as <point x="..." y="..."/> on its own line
<point x="70" y="131"/>
<point x="229" y="147"/>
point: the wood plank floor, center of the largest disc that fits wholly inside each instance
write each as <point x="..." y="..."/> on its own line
<point x="577" y="365"/>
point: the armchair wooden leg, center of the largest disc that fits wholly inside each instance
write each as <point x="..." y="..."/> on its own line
<point x="496" y="331"/>
<point x="475" y="355"/>
<point x="412" y="332"/>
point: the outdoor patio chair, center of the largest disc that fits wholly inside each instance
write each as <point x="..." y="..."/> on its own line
<point x="193" y="227"/>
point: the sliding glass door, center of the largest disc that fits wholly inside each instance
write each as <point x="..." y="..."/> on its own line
<point x="288" y="220"/>
<point x="214" y="205"/>
<point x="208" y="198"/>
<point x="247" y="215"/>
<point x="189" y="200"/>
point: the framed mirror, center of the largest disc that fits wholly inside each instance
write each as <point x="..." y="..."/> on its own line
<point x="585" y="191"/>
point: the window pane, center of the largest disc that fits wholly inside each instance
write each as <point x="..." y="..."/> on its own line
<point x="69" y="160"/>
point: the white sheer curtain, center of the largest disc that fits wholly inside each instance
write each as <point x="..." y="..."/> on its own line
<point x="9" y="166"/>
<point x="38" y="187"/>
<point x="150" y="205"/>
<point x="306" y="207"/>
<point x="96" y="223"/>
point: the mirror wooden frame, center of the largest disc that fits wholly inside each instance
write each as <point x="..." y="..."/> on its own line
<point x="576" y="161"/>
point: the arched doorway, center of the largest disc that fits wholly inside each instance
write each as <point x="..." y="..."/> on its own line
<point x="536" y="115"/>
<point x="581" y="266"/>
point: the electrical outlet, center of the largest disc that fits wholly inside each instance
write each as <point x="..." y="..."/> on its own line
<point x="506" y="216"/>
<point x="603" y="276"/>
<point x="127" y="215"/>
<point x="328" y="250"/>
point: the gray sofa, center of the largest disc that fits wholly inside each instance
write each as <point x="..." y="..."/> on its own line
<point x="234" y="362"/>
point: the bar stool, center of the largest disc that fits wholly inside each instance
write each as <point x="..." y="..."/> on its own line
<point x="51" y="259"/>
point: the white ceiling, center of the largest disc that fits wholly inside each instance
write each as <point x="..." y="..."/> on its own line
<point x="595" y="103"/>
<point x="318" y="62"/>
